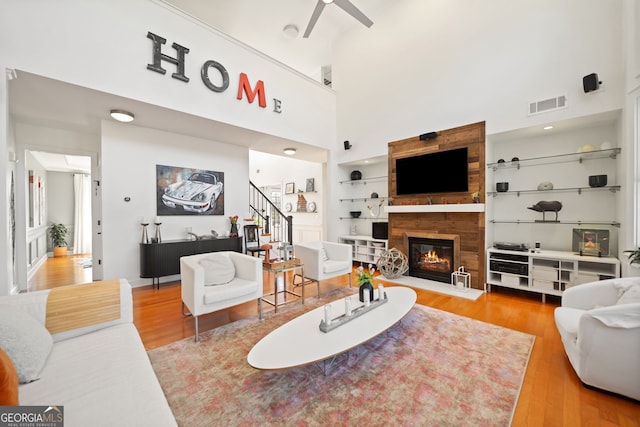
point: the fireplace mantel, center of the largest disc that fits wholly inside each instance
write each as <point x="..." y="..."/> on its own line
<point x="461" y="207"/>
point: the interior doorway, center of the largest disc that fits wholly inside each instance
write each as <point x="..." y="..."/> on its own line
<point x="59" y="192"/>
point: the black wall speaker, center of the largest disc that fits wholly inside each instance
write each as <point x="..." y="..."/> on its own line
<point x="347" y="145"/>
<point x="428" y="135"/>
<point x="590" y="83"/>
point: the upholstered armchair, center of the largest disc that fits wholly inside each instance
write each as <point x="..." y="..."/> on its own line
<point x="217" y="280"/>
<point x="324" y="260"/>
<point x="599" y="323"/>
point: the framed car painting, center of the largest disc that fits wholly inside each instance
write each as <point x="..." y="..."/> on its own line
<point x="189" y="191"/>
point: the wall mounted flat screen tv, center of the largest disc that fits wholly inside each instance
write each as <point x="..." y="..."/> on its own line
<point x="441" y="172"/>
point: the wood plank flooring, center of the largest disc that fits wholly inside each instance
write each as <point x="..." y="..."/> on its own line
<point x="551" y="394"/>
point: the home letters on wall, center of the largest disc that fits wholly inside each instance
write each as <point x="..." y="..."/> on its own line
<point x="244" y="86"/>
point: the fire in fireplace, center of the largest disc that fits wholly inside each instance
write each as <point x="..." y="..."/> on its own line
<point x="431" y="258"/>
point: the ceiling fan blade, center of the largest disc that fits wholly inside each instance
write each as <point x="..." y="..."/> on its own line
<point x="314" y="18"/>
<point x="348" y="7"/>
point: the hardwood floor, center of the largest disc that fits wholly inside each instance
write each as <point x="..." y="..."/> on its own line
<point x="551" y="394"/>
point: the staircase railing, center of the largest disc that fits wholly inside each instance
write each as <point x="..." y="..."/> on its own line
<point x="275" y="223"/>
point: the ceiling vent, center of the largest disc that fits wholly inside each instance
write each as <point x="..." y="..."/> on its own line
<point x="547" y="105"/>
<point x="326" y="75"/>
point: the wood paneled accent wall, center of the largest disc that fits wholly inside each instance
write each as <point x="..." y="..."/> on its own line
<point x="470" y="226"/>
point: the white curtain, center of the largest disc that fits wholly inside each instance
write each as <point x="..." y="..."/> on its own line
<point x="82" y="214"/>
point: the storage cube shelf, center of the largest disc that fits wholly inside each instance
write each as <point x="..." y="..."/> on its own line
<point x="365" y="249"/>
<point x="546" y="272"/>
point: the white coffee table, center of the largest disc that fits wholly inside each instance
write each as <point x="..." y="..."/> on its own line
<point x="300" y="341"/>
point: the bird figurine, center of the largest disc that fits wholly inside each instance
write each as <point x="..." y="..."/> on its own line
<point x="547" y="206"/>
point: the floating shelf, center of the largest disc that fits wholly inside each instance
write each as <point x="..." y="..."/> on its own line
<point x="531" y="221"/>
<point x="560" y="158"/>
<point x="365" y="180"/>
<point x="612" y="188"/>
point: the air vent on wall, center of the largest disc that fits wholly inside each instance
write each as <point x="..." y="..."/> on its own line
<point x="547" y="105"/>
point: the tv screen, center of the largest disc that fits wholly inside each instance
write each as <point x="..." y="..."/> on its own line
<point x="441" y="172"/>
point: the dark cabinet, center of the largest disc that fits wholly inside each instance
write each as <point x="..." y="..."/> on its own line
<point x="163" y="259"/>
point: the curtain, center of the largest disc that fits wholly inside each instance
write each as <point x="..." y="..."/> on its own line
<point x="82" y="214"/>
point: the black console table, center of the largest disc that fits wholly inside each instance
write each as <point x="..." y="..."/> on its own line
<point x="163" y="259"/>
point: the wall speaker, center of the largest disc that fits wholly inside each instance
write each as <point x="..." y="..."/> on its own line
<point x="428" y="135"/>
<point x="590" y="83"/>
<point x="347" y="145"/>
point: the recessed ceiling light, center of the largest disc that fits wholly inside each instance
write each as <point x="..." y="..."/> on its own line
<point x="328" y="1"/>
<point x="547" y="127"/>
<point x="122" y="116"/>
<point x="289" y="151"/>
<point x="290" y="31"/>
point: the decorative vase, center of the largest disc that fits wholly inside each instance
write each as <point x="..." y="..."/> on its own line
<point x="234" y="230"/>
<point x="366" y="287"/>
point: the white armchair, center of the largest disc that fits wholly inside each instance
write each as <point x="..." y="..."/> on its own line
<point x="217" y="280"/>
<point x="599" y="323"/>
<point x="324" y="260"/>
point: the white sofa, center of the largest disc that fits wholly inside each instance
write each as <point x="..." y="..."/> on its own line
<point x="599" y="323"/>
<point x="99" y="372"/>
<point x="217" y="280"/>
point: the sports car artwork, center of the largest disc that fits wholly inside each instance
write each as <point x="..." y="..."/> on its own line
<point x="189" y="191"/>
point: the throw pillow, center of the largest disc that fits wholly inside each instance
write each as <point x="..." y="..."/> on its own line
<point x="26" y="341"/>
<point x="218" y="269"/>
<point x="630" y="295"/>
<point x="8" y="381"/>
<point x="323" y="255"/>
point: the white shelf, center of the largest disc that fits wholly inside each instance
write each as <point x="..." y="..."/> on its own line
<point x="548" y="272"/>
<point x="365" y="249"/>
<point x="462" y="207"/>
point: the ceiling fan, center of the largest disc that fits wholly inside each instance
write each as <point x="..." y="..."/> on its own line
<point x="345" y="5"/>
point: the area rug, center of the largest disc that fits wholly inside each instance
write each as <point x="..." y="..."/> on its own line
<point x="432" y="369"/>
<point x="433" y="286"/>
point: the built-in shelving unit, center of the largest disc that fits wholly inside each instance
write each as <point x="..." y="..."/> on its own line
<point x="365" y="249"/>
<point x="546" y="272"/>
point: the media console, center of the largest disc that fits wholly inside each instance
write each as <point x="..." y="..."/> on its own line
<point x="546" y="272"/>
<point x="163" y="259"/>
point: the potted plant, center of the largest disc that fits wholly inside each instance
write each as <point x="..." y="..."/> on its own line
<point x="58" y="233"/>
<point x="634" y="256"/>
<point x="364" y="278"/>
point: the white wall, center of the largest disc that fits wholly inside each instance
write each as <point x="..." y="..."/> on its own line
<point x="103" y="45"/>
<point x="438" y="65"/>
<point x="129" y="158"/>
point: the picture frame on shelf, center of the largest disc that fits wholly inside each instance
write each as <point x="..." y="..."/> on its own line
<point x="289" y="188"/>
<point x="591" y="242"/>
<point x="310" y="185"/>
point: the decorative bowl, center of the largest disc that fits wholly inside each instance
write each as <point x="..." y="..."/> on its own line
<point x="597" y="180"/>
<point x="355" y="214"/>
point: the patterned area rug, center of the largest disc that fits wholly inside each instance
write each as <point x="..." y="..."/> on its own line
<point x="432" y="369"/>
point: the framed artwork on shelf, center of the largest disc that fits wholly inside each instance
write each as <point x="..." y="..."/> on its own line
<point x="590" y="242"/>
<point x="289" y="188"/>
<point x="310" y="185"/>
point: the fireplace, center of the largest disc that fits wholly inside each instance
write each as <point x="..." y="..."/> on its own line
<point x="433" y="256"/>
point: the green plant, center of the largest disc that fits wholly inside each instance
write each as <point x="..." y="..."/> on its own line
<point x="634" y="256"/>
<point x="58" y="233"/>
<point x="364" y="276"/>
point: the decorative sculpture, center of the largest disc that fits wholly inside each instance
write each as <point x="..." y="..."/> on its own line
<point x="392" y="263"/>
<point x="547" y="206"/>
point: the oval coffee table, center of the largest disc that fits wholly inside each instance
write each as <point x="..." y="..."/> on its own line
<point x="300" y="341"/>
